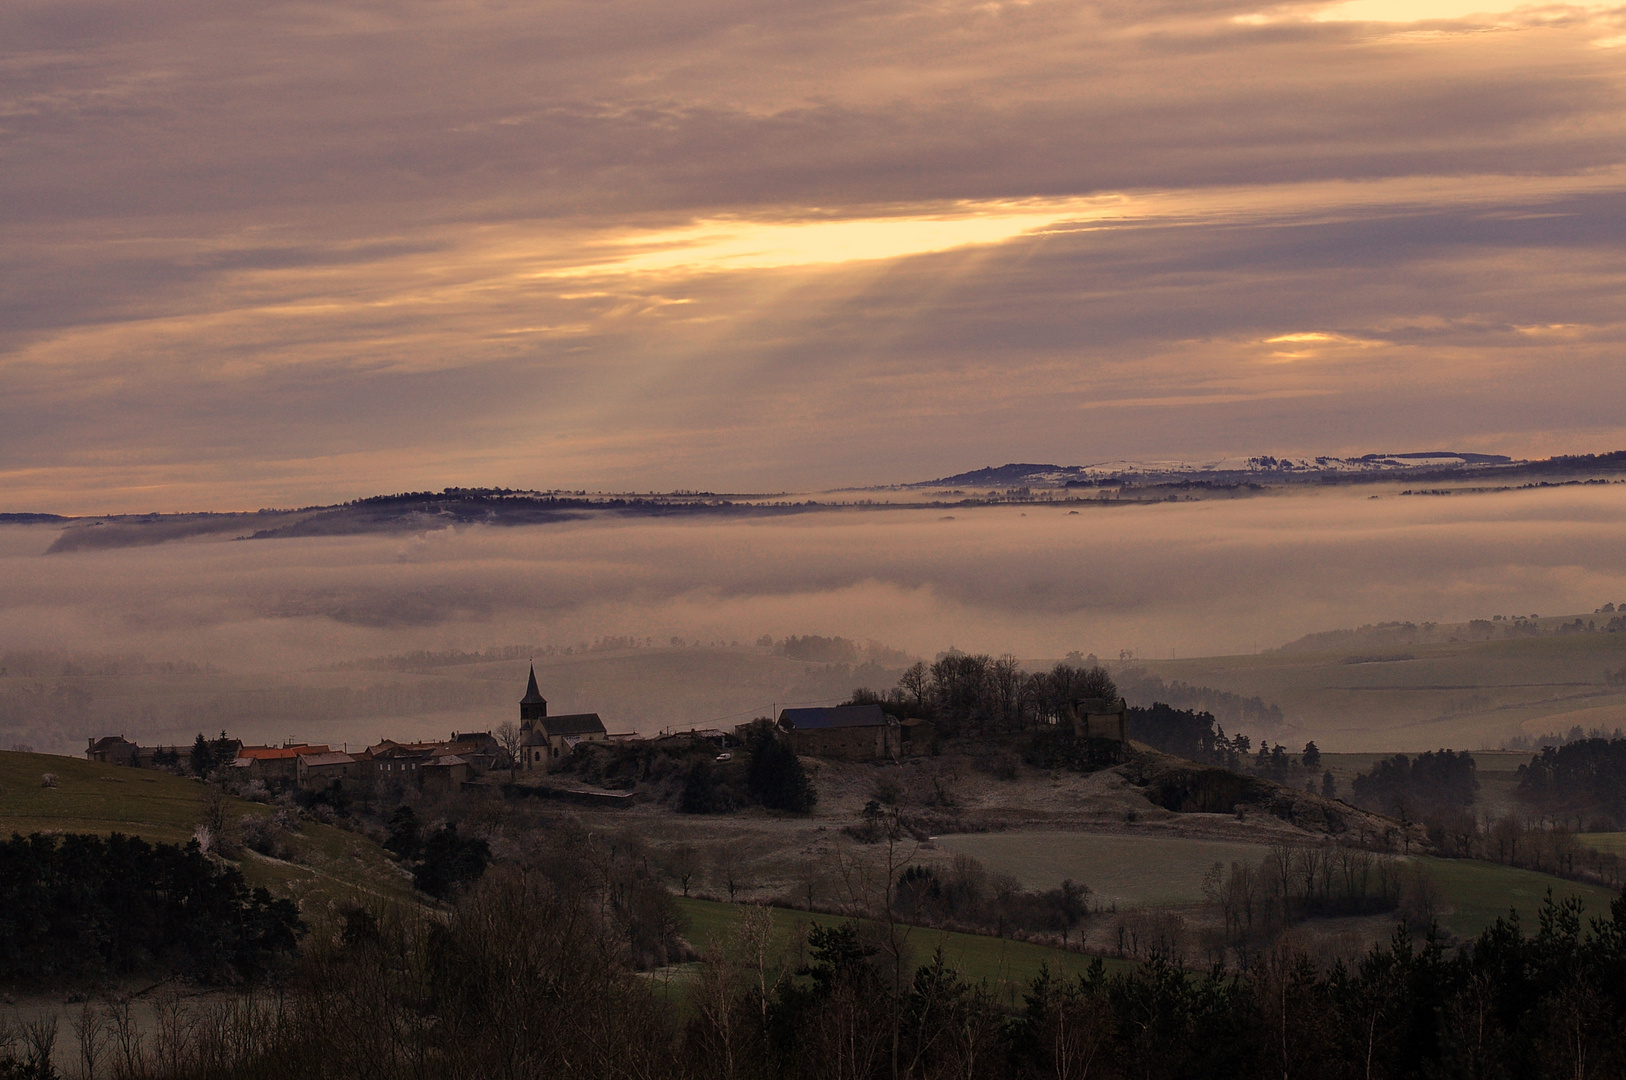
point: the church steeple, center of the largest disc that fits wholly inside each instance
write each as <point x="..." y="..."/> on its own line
<point x="533" y="706"/>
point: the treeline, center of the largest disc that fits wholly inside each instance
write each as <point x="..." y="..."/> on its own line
<point x="86" y="907"/>
<point x="966" y="897"/>
<point x="1258" y="902"/>
<point x="1568" y="789"/>
<point x="527" y="978"/>
<point x="1413" y="788"/>
<point x="1584" y="782"/>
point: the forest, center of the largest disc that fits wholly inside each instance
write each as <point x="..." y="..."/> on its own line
<point x="533" y="974"/>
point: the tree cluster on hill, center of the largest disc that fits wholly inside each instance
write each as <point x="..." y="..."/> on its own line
<point x="1582" y="781"/>
<point x="85" y="906"/>
<point x="1410" y="788"/>
<point x="977" y="694"/>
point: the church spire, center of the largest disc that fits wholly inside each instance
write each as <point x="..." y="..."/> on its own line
<point x="533" y="706"/>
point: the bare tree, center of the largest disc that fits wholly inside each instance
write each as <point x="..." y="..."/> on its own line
<point x="916" y="681"/>
<point x="90" y="1028"/>
<point x="730" y="867"/>
<point x="683" y="863"/>
<point x="512" y="741"/>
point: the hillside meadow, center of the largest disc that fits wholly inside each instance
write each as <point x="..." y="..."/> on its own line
<point x="329" y="866"/>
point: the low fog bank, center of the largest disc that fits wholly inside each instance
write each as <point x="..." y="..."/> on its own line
<point x="262" y="637"/>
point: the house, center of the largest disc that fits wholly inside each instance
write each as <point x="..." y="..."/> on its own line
<point x="274" y="763"/>
<point x="480" y="749"/>
<point x="112" y="750"/>
<point x="1098" y="718"/>
<point x="319" y="770"/>
<point x="851" y="732"/>
<point x="547" y="740"/>
<point x="396" y="763"/>
<point x="443" y="775"/>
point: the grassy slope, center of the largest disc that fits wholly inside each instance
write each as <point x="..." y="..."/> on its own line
<point x="331" y="865"/>
<point x="1462" y="694"/>
<point x="1007" y="965"/>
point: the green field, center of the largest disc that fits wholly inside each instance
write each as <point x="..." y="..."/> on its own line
<point x="1478" y="892"/>
<point x="1155" y="871"/>
<point x="330" y="865"/>
<point x="1009" y="966"/>
<point x="1122" y="869"/>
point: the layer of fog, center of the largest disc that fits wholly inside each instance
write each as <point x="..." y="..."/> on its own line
<point x="1176" y="578"/>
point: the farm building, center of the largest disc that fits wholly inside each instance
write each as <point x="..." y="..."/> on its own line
<point x="850" y="732"/>
<point x="1098" y="718"/>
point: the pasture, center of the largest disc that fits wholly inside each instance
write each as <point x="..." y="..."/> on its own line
<point x="1008" y="966"/>
<point x="1477" y="893"/>
<point x="1125" y="869"/>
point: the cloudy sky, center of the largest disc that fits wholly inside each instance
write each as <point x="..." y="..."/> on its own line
<point x="261" y="253"/>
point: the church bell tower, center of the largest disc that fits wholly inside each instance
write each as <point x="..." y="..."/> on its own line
<point x="533" y="706"/>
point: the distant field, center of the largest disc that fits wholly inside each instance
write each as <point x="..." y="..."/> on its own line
<point x="1464" y="695"/>
<point x="1123" y="870"/>
<point x="1612" y="842"/>
<point x="1007" y="965"/>
<point x="333" y="865"/>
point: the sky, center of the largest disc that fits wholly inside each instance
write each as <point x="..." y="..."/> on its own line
<point x="260" y="253"/>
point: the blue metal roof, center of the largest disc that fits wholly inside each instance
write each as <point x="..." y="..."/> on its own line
<point x="840" y="716"/>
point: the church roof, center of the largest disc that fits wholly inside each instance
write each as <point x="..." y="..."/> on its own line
<point x="533" y="696"/>
<point x="576" y="724"/>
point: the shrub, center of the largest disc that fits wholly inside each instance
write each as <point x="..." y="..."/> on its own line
<point x="450" y="862"/>
<point x="776" y="778"/>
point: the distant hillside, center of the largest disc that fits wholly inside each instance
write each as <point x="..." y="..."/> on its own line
<point x="1423" y="465"/>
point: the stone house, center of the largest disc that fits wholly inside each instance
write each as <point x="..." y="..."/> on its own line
<point x="112" y="750"/>
<point x="848" y="732"/>
<point x="319" y="770"/>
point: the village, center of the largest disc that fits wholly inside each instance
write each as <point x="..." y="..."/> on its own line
<point x="541" y="744"/>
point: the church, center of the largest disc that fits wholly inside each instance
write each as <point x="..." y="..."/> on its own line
<point x="546" y="740"/>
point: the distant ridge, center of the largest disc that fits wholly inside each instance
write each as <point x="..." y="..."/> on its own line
<point x="1415" y="463"/>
